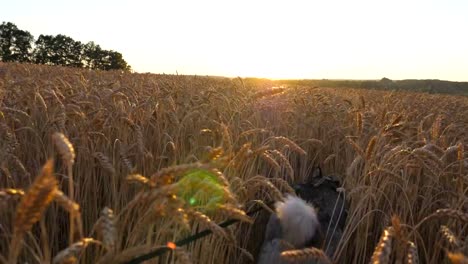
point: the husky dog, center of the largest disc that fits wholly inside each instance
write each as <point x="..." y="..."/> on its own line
<point x="315" y="218"/>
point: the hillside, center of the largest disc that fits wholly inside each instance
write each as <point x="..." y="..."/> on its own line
<point x="429" y="86"/>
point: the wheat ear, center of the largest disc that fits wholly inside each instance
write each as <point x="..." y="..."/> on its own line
<point x="32" y="206"/>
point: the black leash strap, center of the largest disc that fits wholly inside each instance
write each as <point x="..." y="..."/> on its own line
<point x="161" y="250"/>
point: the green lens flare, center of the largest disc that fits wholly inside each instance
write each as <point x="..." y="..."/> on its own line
<point x="201" y="189"/>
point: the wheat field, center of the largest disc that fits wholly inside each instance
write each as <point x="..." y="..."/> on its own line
<point x="102" y="167"/>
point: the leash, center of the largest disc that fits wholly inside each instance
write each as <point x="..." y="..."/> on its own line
<point x="162" y="250"/>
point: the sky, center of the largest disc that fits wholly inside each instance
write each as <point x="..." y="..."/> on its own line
<point x="310" y="39"/>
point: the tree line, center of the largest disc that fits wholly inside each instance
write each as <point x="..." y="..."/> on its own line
<point x="18" y="45"/>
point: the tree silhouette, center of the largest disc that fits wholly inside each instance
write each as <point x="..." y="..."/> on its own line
<point x="98" y="59"/>
<point x="15" y="44"/>
<point x="58" y="50"/>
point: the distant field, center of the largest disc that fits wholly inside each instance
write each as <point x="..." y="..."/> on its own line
<point x="125" y="151"/>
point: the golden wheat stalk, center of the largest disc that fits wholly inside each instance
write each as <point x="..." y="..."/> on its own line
<point x="178" y="170"/>
<point x="64" y="148"/>
<point x="457" y="258"/>
<point x="67" y="153"/>
<point x="270" y="160"/>
<point x="138" y="178"/>
<point x="450" y="236"/>
<point x="105" y="162"/>
<point x="305" y="254"/>
<point x="412" y="253"/>
<point x="6" y="194"/>
<point x="207" y="222"/>
<point x="32" y="206"/>
<point x="284" y="160"/>
<point x="291" y="144"/>
<point x="232" y="212"/>
<point x="67" y="203"/>
<point x="109" y="233"/>
<point x="384" y="247"/>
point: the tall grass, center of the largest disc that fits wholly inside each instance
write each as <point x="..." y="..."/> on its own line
<point x="127" y="148"/>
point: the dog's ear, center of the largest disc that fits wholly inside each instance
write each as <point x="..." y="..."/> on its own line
<point x="317" y="172"/>
<point x="314" y="175"/>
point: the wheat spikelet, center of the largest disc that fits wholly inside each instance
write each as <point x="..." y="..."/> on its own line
<point x="181" y="217"/>
<point x="190" y="116"/>
<point x="270" y="160"/>
<point x="294" y="147"/>
<point x="128" y="164"/>
<point x="179" y="169"/>
<point x="359" y="123"/>
<point x="261" y="181"/>
<point x="6" y="194"/>
<point x="22" y="170"/>
<point x="449" y="152"/>
<point x="214" y="153"/>
<point x="232" y="212"/>
<point x="305" y="254"/>
<point x="329" y="158"/>
<point x="244" y="152"/>
<point x="352" y="167"/>
<point x="67" y="203"/>
<point x="449" y="236"/>
<point x="105" y="162"/>
<point x="227" y="141"/>
<point x="220" y="176"/>
<point x="107" y="223"/>
<point x="162" y="191"/>
<point x="284" y="160"/>
<point x="11" y="144"/>
<point x="138" y="178"/>
<point x="74" y="108"/>
<point x="36" y="199"/>
<point x="363" y="102"/>
<point x="396" y="120"/>
<point x="72" y="251"/>
<point x="140" y="139"/>
<point x="384" y="247"/>
<point x="41" y="100"/>
<point x="370" y="147"/>
<point x="261" y="149"/>
<point x="460" y="152"/>
<point x="356" y="147"/>
<point x="436" y="128"/>
<point x="422" y="152"/>
<point x="207" y="222"/>
<point x="457" y="258"/>
<point x="32" y="206"/>
<point x="18" y="112"/>
<point x="61" y="119"/>
<point x="412" y="253"/>
<point x="283" y="185"/>
<point x="315" y="142"/>
<point x="64" y="148"/>
<point x="254" y="131"/>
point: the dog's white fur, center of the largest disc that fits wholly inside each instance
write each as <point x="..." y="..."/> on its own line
<point x="299" y="221"/>
<point x="295" y="222"/>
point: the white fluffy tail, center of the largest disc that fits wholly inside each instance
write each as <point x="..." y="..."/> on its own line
<point x="299" y="221"/>
<point x="294" y="222"/>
